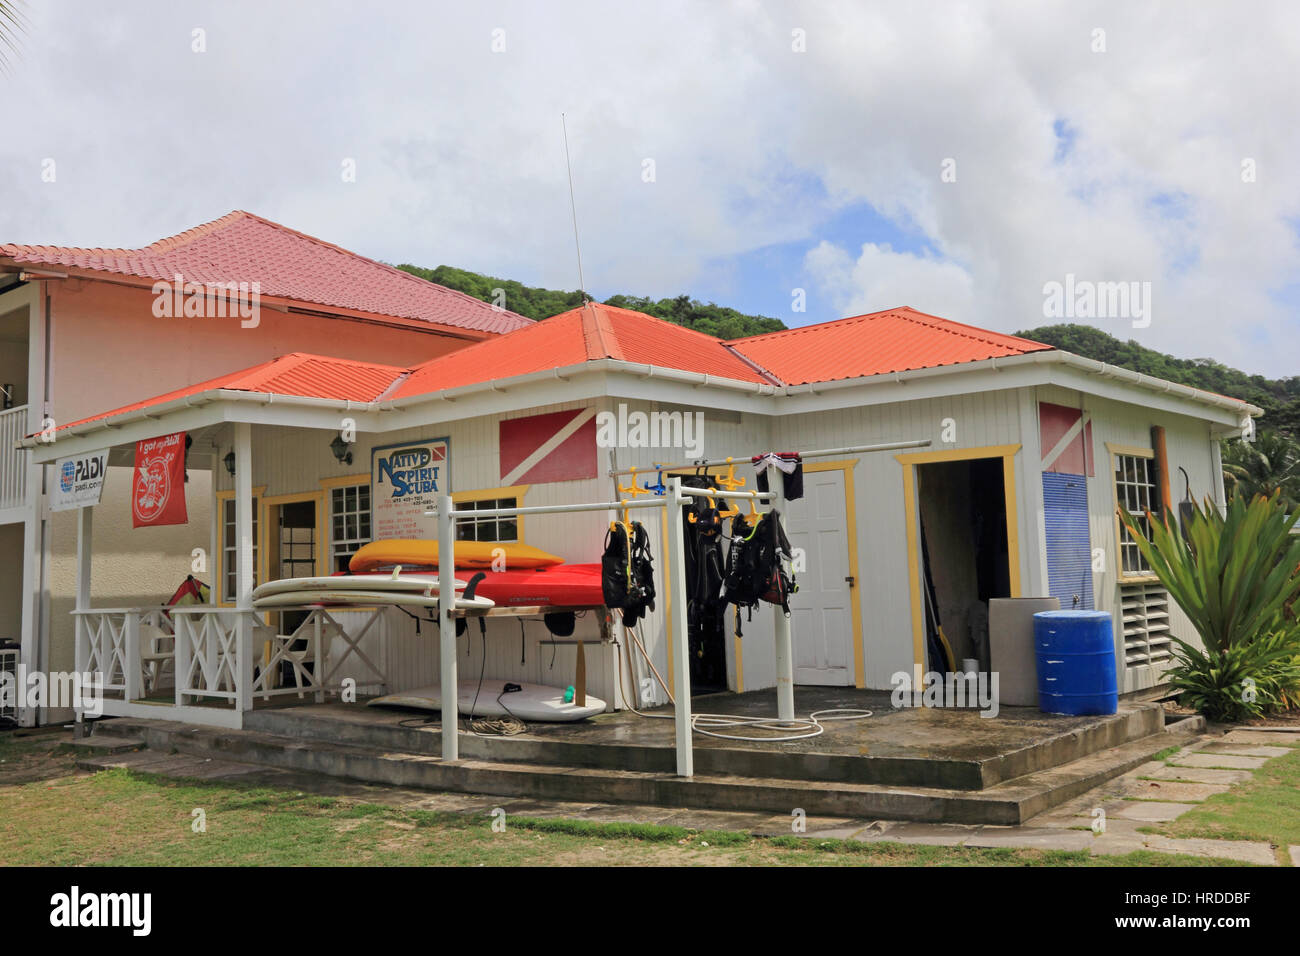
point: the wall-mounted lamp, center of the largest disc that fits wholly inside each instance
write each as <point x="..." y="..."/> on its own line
<point x="229" y="462"/>
<point x="342" y="450"/>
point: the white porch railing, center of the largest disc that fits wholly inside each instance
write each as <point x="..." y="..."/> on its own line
<point x="13" y="461"/>
<point x="219" y="660"/>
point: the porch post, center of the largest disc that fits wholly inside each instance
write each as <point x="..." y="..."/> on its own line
<point x="447" y="627"/>
<point x="244" y="565"/>
<point x="81" y="644"/>
<point x="679" y="642"/>
<point x="784" y="645"/>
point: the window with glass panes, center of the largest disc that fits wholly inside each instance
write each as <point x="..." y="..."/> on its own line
<point x="487" y="528"/>
<point x="230" y="546"/>
<point x="1135" y="492"/>
<point x="349" y="523"/>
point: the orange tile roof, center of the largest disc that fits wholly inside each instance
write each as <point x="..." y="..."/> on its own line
<point x="587" y="333"/>
<point x="242" y="247"/>
<point x="297" y="374"/>
<point x="896" y="340"/>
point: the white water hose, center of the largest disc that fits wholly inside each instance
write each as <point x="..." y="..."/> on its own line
<point x="801" y="728"/>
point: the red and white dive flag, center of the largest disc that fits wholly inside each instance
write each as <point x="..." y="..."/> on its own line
<point x="1065" y="436"/>
<point x="559" y="446"/>
<point x="158" y="487"/>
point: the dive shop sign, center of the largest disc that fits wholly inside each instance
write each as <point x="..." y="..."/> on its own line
<point x="405" y="482"/>
<point x="79" y="481"/>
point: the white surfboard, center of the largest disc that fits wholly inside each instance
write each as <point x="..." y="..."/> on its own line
<point x="538" y="702"/>
<point x="365" y="599"/>
<point x="420" y="583"/>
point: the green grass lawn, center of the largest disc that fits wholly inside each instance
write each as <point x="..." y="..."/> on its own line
<point x="50" y="814"/>
<point x="1266" y="807"/>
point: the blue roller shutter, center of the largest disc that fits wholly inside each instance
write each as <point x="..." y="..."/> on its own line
<point x="1069" y="548"/>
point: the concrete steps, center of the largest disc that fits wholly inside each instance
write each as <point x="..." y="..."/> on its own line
<point x="1008" y="802"/>
<point x="716" y="757"/>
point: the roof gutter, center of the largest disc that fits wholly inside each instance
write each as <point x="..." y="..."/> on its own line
<point x="1045" y="357"/>
<point x="198" y="400"/>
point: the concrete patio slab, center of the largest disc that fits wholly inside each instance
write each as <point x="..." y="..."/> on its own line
<point x="931" y="834"/>
<point x="1034" y="838"/>
<point x="1172" y="790"/>
<point x="1200" y="775"/>
<point x="1151" y="811"/>
<point x="1276" y="737"/>
<point x="1244" y="750"/>
<point x="1218" y="761"/>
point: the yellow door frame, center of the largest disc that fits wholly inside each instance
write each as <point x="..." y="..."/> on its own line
<point x="912" y="516"/>
<point x="265" y="537"/>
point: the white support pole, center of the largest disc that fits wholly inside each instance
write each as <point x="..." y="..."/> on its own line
<point x="81" y="651"/>
<point x="679" y="644"/>
<point x="447" y="626"/>
<point x="784" y="643"/>
<point x="244" y="566"/>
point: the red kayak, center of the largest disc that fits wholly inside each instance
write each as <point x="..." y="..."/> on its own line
<point x="564" y="585"/>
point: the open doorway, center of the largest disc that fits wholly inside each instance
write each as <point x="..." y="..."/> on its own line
<point x="965" y="551"/>
<point x="294" y="550"/>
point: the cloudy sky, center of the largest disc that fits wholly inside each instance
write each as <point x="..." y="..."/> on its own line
<point x="957" y="158"/>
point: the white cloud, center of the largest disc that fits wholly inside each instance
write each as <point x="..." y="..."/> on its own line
<point x="460" y="159"/>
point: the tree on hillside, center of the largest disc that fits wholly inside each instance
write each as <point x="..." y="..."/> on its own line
<point x="1261" y="467"/>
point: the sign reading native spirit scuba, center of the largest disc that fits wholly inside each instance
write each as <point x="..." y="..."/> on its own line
<point x="80" y="481"/>
<point x="158" y="488"/>
<point x="405" y="482"/>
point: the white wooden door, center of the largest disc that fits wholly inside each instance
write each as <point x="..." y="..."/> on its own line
<point x="821" y="620"/>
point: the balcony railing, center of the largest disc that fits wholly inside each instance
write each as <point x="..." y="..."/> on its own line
<point x="13" y="461"/>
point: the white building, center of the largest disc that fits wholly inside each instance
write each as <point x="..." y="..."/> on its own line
<point x="1030" y="451"/>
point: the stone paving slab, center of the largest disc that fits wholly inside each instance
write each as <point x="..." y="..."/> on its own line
<point x="1212" y="760"/>
<point x="1295" y="856"/>
<point x="930" y="834"/>
<point x="1276" y="737"/>
<point x="1239" y="850"/>
<point x="1034" y="838"/>
<point x="1173" y="790"/>
<point x="1151" y="811"/>
<point x="1201" y="775"/>
<point x="1245" y="750"/>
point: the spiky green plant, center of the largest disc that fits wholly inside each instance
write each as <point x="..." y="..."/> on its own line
<point x="1233" y="573"/>
<point x="12" y="25"/>
<point x="1262" y="466"/>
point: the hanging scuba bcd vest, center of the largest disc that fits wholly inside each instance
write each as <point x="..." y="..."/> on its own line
<point x="758" y="566"/>
<point x="627" y="571"/>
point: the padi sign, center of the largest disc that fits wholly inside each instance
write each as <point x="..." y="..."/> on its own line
<point x="405" y="482"/>
<point x="79" y="481"/>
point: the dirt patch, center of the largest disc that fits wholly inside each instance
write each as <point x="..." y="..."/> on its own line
<point x="30" y="758"/>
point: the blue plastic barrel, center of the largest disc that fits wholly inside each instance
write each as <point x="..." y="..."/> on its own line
<point x="1075" y="651"/>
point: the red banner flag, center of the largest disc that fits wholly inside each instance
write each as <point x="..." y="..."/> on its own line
<point x="158" y="488"/>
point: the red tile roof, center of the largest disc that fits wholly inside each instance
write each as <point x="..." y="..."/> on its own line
<point x="587" y="333"/>
<point x="896" y="340"/>
<point x="296" y="374"/>
<point x="241" y="247"/>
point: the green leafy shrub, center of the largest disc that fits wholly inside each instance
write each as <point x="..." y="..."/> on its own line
<point x="1233" y="574"/>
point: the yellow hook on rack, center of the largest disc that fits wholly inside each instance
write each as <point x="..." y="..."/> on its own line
<point x="634" y="489"/>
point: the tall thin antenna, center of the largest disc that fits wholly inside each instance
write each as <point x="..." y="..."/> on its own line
<point x="573" y="206"/>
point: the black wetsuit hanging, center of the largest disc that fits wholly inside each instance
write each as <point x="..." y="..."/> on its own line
<point x="702" y="539"/>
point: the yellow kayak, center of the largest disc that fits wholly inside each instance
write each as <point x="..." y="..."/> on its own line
<point x="423" y="553"/>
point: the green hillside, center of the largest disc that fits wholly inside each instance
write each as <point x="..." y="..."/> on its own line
<point x="539" y="304"/>
<point x="1280" y="398"/>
